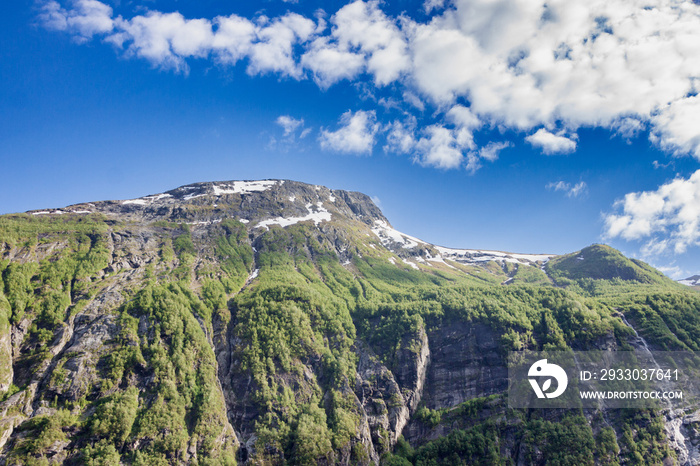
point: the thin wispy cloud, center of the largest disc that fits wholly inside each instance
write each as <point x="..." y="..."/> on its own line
<point x="571" y="190"/>
<point x="291" y="125"/>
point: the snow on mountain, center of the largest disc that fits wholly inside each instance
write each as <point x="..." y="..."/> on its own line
<point x="691" y="281"/>
<point x="474" y="256"/>
<point x="389" y="236"/>
<point x="319" y="215"/>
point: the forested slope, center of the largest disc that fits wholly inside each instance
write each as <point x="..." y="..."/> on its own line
<point x="277" y="322"/>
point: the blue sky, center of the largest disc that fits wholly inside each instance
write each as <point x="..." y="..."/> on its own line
<point x="577" y="126"/>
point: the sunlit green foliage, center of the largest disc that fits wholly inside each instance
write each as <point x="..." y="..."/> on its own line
<point x="296" y="328"/>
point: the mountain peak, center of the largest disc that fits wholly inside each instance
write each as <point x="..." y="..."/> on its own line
<point x="693" y="281"/>
<point x="602" y="262"/>
<point x="264" y="202"/>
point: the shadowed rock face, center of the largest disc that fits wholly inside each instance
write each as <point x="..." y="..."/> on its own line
<point x="466" y="362"/>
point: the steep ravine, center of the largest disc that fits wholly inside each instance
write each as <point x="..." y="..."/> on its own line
<point x="680" y="428"/>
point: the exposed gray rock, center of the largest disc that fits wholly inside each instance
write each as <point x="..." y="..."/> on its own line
<point x="466" y="362"/>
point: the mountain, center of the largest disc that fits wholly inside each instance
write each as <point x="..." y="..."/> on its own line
<point x="693" y="282"/>
<point x="275" y="322"/>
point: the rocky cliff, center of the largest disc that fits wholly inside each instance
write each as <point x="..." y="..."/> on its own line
<point x="275" y="322"/>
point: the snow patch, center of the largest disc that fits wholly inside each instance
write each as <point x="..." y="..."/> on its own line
<point x="439" y="259"/>
<point x="192" y="196"/>
<point x="292" y="198"/>
<point x="388" y="235"/>
<point x="331" y="198"/>
<point x="412" y="264"/>
<point x="243" y="187"/>
<point x="147" y="199"/>
<point x="254" y="274"/>
<point x="321" y="215"/>
<point x="391" y="259"/>
<point x="43" y="212"/>
<point x="244" y="220"/>
<point x="207" y="222"/>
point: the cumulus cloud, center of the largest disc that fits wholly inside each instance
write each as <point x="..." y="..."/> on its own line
<point x="667" y="218"/>
<point x="355" y="136"/>
<point x="676" y="128"/>
<point x="440" y="148"/>
<point x="551" y="143"/>
<point x="85" y="19"/>
<point x="401" y="136"/>
<point x="365" y="27"/>
<point x="330" y="63"/>
<point x="576" y="190"/>
<point x="626" y="66"/>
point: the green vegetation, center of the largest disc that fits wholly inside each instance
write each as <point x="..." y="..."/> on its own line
<point x="600" y="262"/>
<point x="292" y="335"/>
<point x="42" y="433"/>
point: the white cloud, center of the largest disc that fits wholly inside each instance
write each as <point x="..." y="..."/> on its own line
<point x="164" y="39"/>
<point x="676" y="127"/>
<point x="672" y="271"/>
<point x="356" y="134"/>
<point x="669" y="217"/>
<point x="85" y="19"/>
<point x="628" y="128"/>
<point x="440" y="148"/>
<point x="330" y="64"/>
<point x="233" y="38"/>
<point x="273" y="51"/>
<point x="623" y="65"/>
<point x="551" y="143"/>
<point x="414" y="100"/>
<point x="491" y="150"/>
<point x="576" y="190"/>
<point x="290" y="125"/>
<point x="430" y="5"/>
<point x="401" y="136"/>
<point x="363" y="26"/>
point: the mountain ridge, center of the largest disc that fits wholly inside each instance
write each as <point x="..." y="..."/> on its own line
<point x="276" y="322"/>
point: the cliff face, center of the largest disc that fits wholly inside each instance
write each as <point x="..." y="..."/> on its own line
<point x="276" y="322"/>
